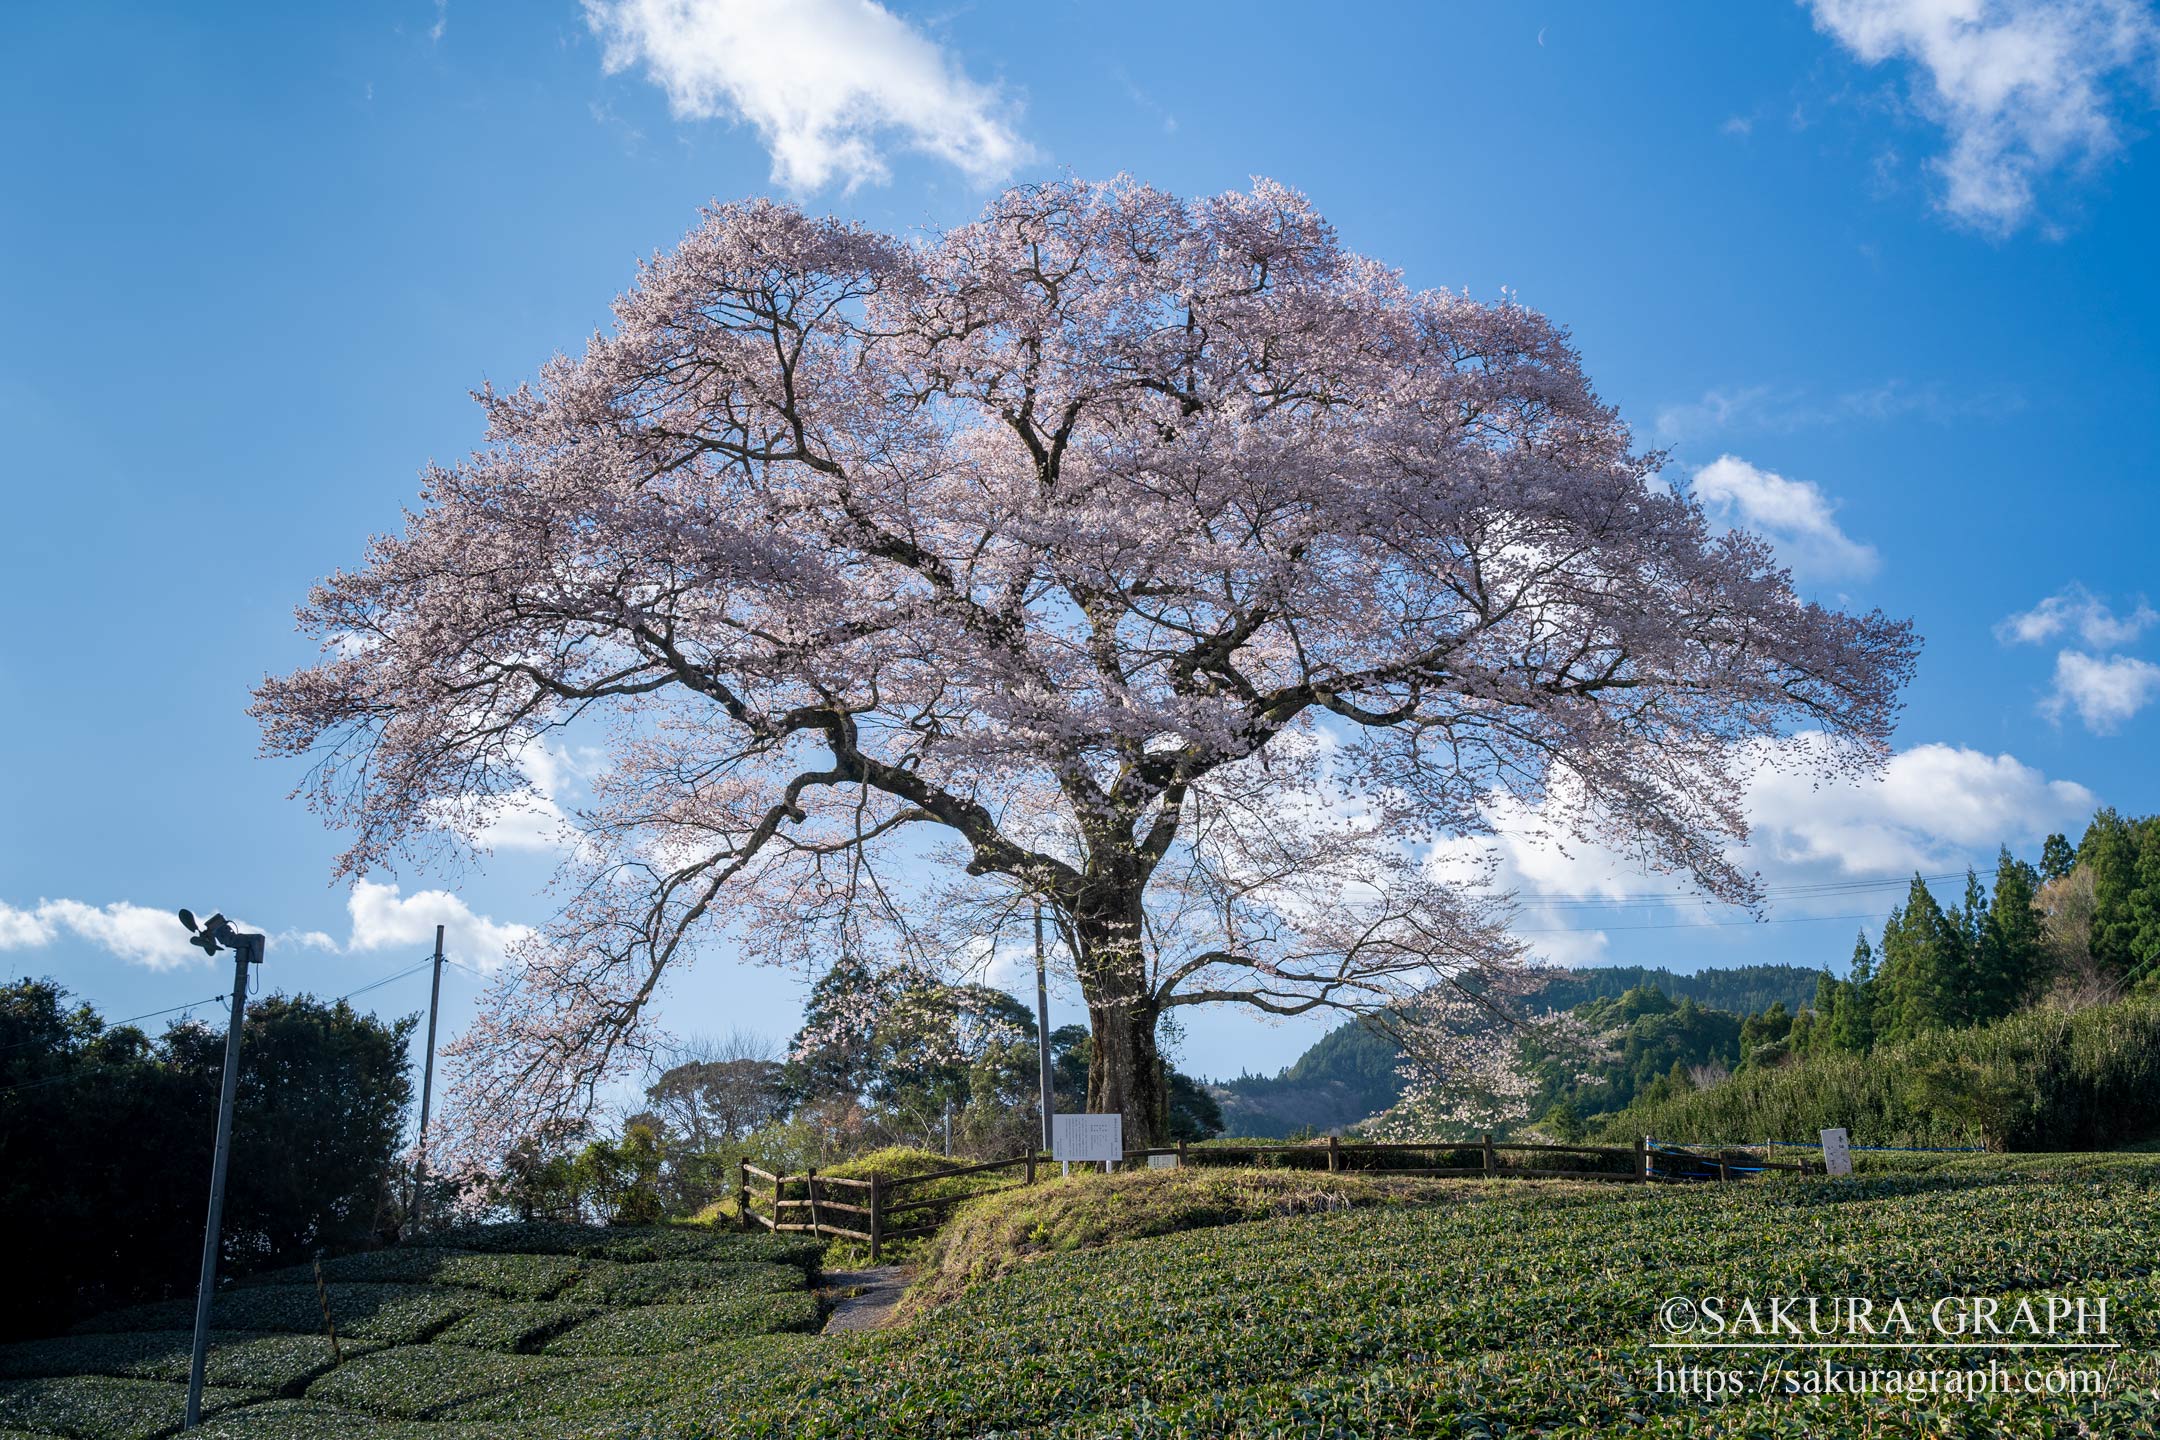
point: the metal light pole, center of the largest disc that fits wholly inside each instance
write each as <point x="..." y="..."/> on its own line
<point x="247" y="950"/>
<point x="1042" y="1026"/>
<point x="427" y="1090"/>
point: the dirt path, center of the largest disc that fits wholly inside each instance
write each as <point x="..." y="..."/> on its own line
<point x="877" y="1294"/>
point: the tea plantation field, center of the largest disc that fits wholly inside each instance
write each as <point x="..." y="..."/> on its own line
<point x="1498" y="1309"/>
<point x="515" y="1330"/>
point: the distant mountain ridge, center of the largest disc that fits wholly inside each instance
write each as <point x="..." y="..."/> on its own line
<point x="1350" y="1072"/>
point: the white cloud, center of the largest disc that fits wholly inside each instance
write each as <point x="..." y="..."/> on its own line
<point x="822" y="82"/>
<point x="2022" y="87"/>
<point x="1935" y="809"/>
<point x="2076" y="608"/>
<point x="381" y="919"/>
<point x="134" y="933"/>
<point x="1794" y="514"/>
<point x="2104" y="690"/>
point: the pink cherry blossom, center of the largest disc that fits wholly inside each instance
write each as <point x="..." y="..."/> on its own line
<point x="1160" y="560"/>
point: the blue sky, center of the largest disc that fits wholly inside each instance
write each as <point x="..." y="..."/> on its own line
<point x="1882" y="282"/>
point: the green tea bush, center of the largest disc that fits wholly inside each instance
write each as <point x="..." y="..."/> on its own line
<point x="515" y="1328"/>
<point x="662" y="1282"/>
<point x="398" y="1314"/>
<point x="1509" y="1309"/>
<point x="272" y="1364"/>
<point x="304" y="1420"/>
<point x="666" y="1329"/>
<point x="93" y="1407"/>
<point x="629" y="1245"/>
<point x="424" y="1381"/>
<point x="550" y="1394"/>
<point x="514" y="1277"/>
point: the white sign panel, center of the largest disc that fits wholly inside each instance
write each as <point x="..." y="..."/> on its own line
<point x="1087" y="1137"/>
<point x="1162" y="1162"/>
<point x="1837" y="1152"/>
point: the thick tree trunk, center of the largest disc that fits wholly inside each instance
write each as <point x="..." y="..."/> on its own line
<point x="1126" y="1077"/>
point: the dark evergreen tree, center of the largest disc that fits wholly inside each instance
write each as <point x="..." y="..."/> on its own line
<point x="2112" y="849"/>
<point x="2014" y="958"/>
<point x="2057" y="858"/>
<point x="1922" y="965"/>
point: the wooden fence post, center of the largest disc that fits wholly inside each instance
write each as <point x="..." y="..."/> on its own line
<point x="1334" y="1154"/>
<point x="1181" y="1154"/>
<point x="1723" y="1173"/>
<point x="1492" y="1161"/>
<point x="810" y="1190"/>
<point x="1031" y="1167"/>
<point x="877" y="1220"/>
<point x="1642" y="1161"/>
<point x="742" y="1194"/>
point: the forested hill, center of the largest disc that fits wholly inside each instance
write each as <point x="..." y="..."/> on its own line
<point x="1741" y="990"/>
<point x="1350" y="1074"/>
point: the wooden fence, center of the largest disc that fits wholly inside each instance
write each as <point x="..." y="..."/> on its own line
<point x="809" y="1203"/>
<point x="846" y="1208"/>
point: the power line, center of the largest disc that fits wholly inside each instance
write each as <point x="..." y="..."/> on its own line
<point x="116" y="1024"/>
<point x="1818" y="890"/>
<point x="387" y="979"/>
<point x="1684" y="925"/>
<point x="193" y="1005"/>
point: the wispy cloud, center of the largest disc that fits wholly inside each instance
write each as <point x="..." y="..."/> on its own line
<point x="381" y="917"/>
<point x="1794" y="515"/>
<point x="825" y="83"/>
<point x="2075" y="608"/>
<point x="1771" y="410"/>
<point x="2023" y="88"/>
<point x="2105" y="690"/>
<point x="134" y="933"/>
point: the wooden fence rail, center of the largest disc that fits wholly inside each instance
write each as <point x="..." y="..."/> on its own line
<point x="874" y="1205"/>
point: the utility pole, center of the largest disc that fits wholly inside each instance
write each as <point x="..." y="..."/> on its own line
<point x="247" y="950"/>
<point x="427" y="1090"/>
<point x="1042" y="1026"/>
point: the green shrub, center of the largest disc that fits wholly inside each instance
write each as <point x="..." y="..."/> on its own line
<point x="517" y="1328"/>
<point x="1000" y="1232"/>
<point x="303" y="1420"/>
<point x="629" y="1246"/>
<point x="2043" y="1079"/>
<point x="268" y="1364"/>
<point x="662" y="1282"/>
<point x="666" y="1329"/>
<point x="398" y="1314"/>
<point x="1512" y="1309"/>
<point x="420" y="1382"/>
<point x="514" y="1277"/>
<point x="94" y="1407"/>
<point x="100" y="1122"/>
<point x="549" y="1392"/>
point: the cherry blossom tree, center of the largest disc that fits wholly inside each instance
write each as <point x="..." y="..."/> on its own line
<point x="1163" y="562"/>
